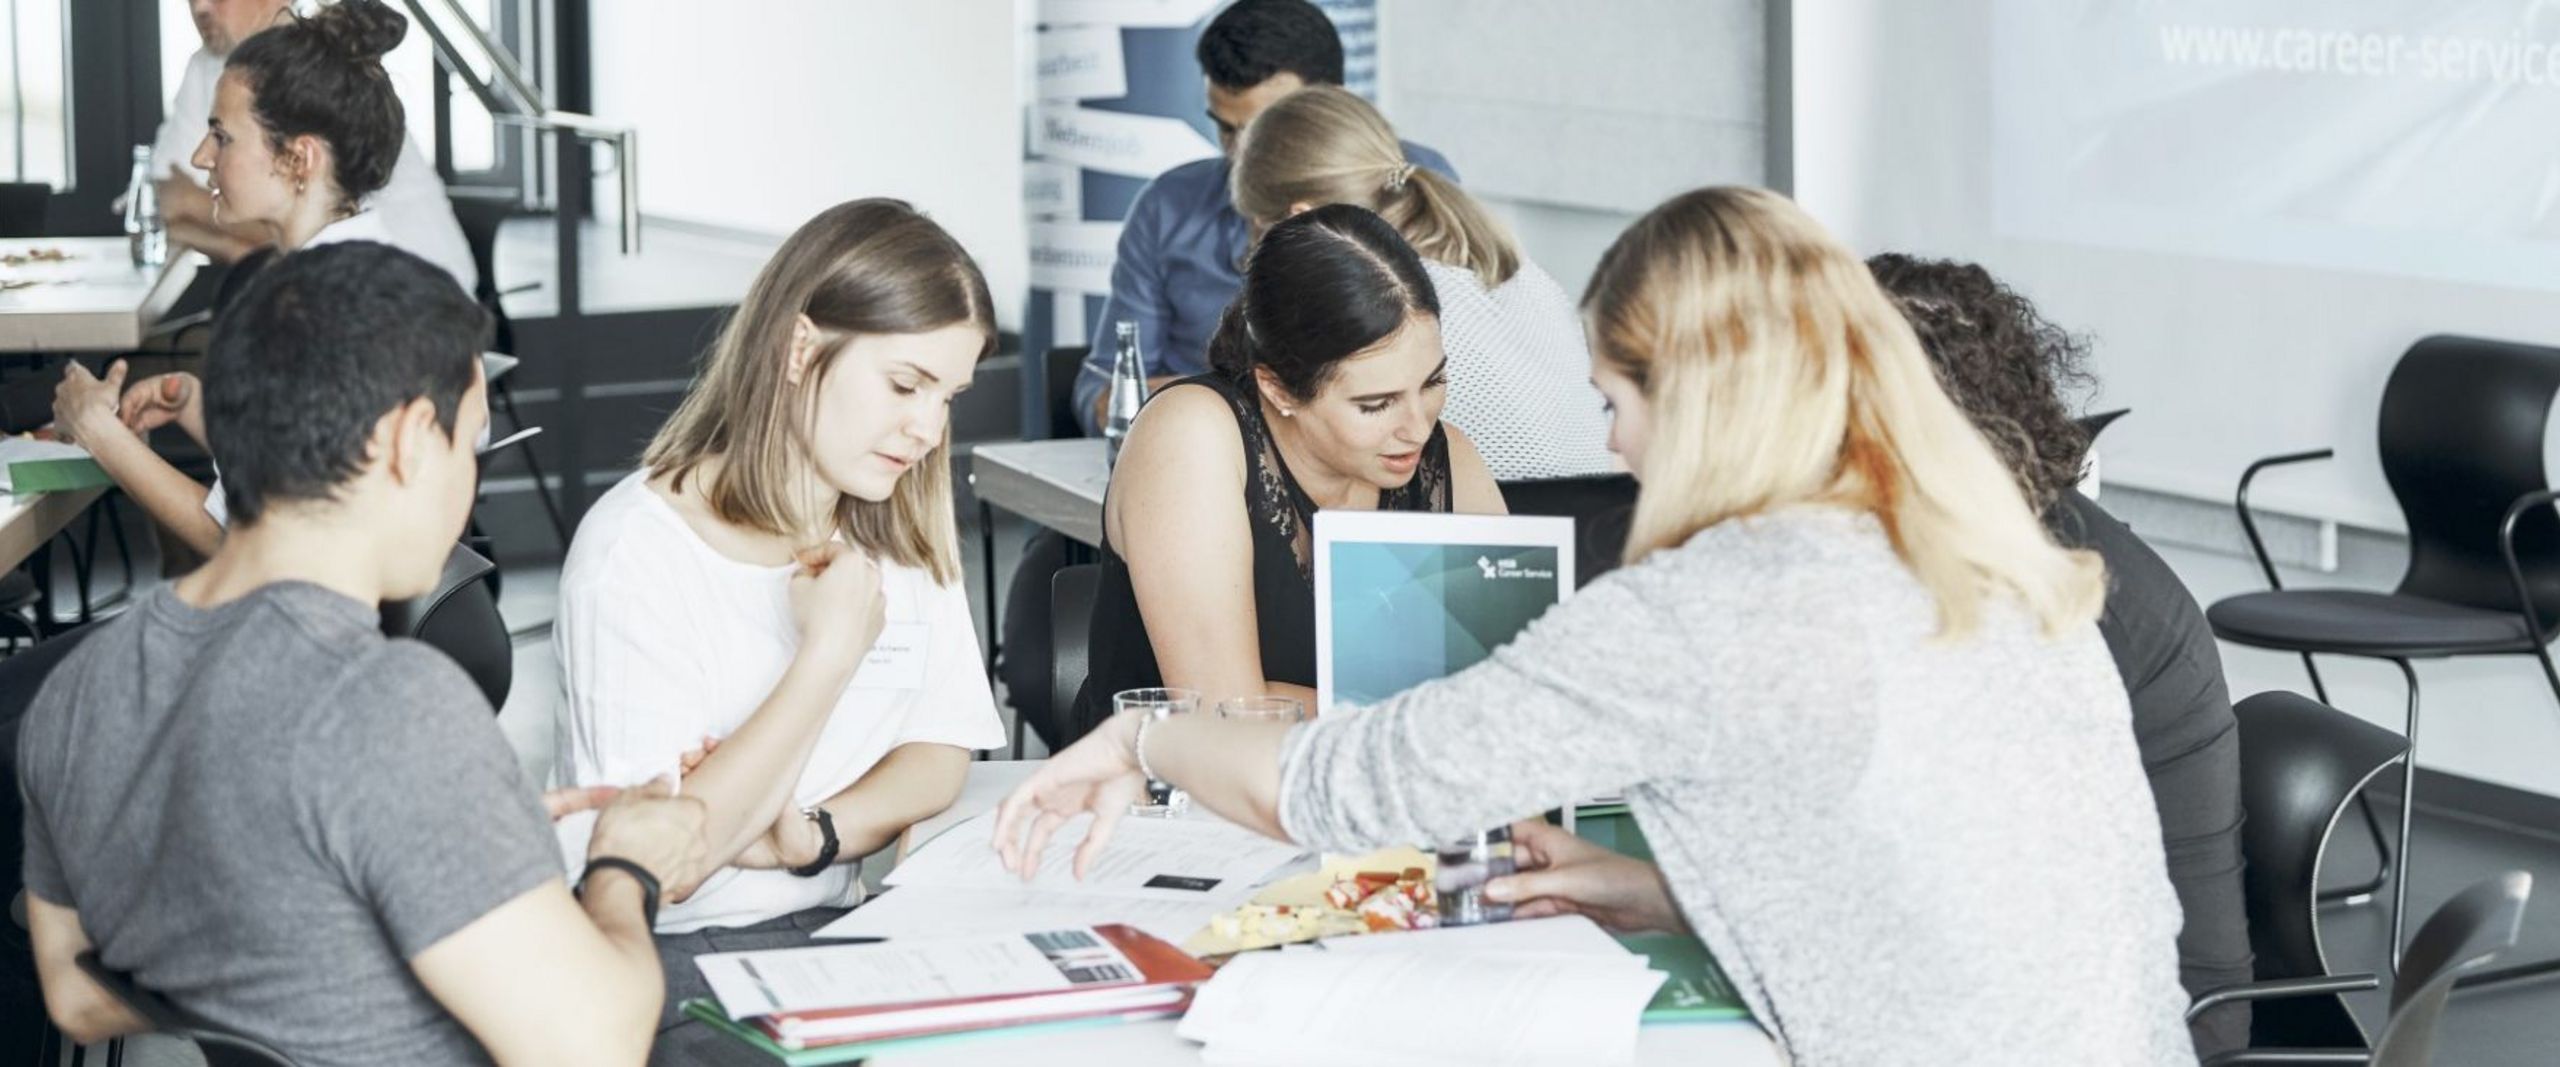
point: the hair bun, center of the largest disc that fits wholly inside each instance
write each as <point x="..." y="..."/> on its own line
<point x="366" y="30"/>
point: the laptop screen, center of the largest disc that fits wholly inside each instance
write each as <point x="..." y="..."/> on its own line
<point x="1403" y="598"/>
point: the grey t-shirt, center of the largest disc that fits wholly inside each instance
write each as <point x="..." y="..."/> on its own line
<point x="264" y="810"/>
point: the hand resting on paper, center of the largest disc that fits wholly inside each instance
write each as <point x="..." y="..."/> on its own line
<point x="1562" y="874"/>
<point x="1098" y="774"/>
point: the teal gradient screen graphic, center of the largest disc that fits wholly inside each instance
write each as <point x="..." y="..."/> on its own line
<point x="1404" y="614"/>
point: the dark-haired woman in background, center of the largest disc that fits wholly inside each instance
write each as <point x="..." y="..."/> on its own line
<point x="2008" y="369"/>
<point x="1326" y="394"/>
<point x="305" y="127"/>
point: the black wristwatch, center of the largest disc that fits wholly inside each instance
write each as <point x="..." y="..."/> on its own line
<point x="826" y="842"/>
<point x="648" y="883"/>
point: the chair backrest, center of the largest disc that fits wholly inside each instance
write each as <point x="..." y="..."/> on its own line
<point x="2096" y="422"/>
<point x="459" y="618"/>
<point x="2301" y="763"/>
<point x="480" y="212"/>
<point x="221" y="1048"/>
<point x="2462" y="936"/>
<point x="1071" y="593"/>
<point x="1061" y="366"/>
<point x="1602" y="506"/>
<point x="23" y="206"/>
<point x="2461" y="439"/>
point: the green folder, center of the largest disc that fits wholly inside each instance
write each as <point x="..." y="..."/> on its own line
<point x="56" y="475"/>
<point x="1696" y="991"/>
<point x="710" y="1014"/>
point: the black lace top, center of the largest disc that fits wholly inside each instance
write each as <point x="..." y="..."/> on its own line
<point x="1284" y="597"/>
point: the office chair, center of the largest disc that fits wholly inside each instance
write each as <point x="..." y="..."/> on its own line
<point x="1600" y="505"/>
<point x="221" y="1047"/>
<point x="459" y="618"/>
<point x="1070" y="649"/>
<point x="480" y="213"/>
<point x="2461" y="436"/>
<point x="2462" y="937"/>
<point x="2300" y="764"/>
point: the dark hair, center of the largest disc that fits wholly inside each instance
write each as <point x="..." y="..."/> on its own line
<point x="2001" y="362"/>
<point x="323" y="76"/>
<point x="1254" y="39"/>
<point x="317" y="349"/>
<point x="1322" y="286"/>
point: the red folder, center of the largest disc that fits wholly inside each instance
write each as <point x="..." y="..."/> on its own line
<point x="1162" y="987"/>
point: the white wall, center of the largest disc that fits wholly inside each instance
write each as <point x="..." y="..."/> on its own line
<point x="1570" y="119"/>
<point x="757" y="116"/>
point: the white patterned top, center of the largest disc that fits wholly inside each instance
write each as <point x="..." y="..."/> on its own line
<point x="1520" y="375"/>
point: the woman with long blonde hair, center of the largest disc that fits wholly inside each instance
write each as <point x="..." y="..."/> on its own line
<point x="1517" y="365"/>
<point x="1852" y="692"/>
<point x="771" y="605"/>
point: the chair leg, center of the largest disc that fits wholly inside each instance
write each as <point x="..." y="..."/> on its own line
<point x="2408" y="806"/>
<point x="2520" y="972"/>
<point x="2321" y="691"/>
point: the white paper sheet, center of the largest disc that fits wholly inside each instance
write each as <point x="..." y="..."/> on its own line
<point x="1421" y="1008"/>
<point x="847" y="976"/>
<point x="943" y="912"/>
<point x="1563" y="935"/>
<point x="1186" y="859"/>
<point x="29" y="450"/>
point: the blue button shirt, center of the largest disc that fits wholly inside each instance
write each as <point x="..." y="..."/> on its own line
<point x="1176" y="270"/>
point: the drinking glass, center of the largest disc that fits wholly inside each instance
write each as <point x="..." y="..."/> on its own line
<point x="1286" y="710"/>
<point x="1163" y="800"/>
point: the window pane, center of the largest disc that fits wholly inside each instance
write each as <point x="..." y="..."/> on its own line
<point x="34" y="111"/>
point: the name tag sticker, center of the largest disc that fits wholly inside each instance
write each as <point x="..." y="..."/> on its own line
<point x="897" y="658"/>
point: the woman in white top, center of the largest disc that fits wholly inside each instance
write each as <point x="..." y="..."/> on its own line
<point x="1519" y="372"/>
<point x="305" y="126"/>
<point x="728" y="594"/>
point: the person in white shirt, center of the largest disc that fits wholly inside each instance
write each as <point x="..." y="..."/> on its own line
<point x="1519" y="371"/>
<point x="410" y="207"/>
<point x="816" y="437"/>
<point x="303" y="132"/>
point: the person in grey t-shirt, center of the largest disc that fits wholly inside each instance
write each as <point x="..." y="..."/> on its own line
<point x="244" y="796"/>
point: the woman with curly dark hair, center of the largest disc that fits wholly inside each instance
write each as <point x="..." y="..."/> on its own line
<point x="2011" y="371"/>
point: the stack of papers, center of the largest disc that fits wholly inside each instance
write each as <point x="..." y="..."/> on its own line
<point x="1168" y="877"/>
<point x="1548" y="991"/>
<point x="28" y="465"/>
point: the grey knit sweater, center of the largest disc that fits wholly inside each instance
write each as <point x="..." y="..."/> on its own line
<point x="1903" y="850"/>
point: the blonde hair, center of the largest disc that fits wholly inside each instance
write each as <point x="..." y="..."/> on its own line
<point x="865" y="267"/>
<point x="1324" y="145"/>
<point x="1775" y="372"/>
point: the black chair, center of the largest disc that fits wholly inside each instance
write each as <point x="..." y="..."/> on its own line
<point x="2462" y="937"/>
<point x="2461" y="437"/>
<point x="460" y="619"/>
<point x="1600" y="505"/>
<point x="23" y="206"/>
<point x="221" y="1047"/>
<point x="2096" y="422"/>
<point x="1061" y="365"/>
<point x="480" y="212"/>
<point x="2300" y="764"/>
<point x="1071" y="593"/>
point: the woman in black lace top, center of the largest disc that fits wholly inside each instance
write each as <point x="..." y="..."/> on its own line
<point x="1326" y="392"/>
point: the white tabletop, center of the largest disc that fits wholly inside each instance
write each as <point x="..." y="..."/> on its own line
<point x="1714" y="1044"/>
<point x="94" y="300"/>
<point x="1057" y="484"/>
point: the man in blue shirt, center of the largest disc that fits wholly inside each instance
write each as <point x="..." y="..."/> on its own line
<point x="1184" y="244"/>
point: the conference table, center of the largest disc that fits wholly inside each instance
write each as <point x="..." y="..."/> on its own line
<point x="1151" y="1044"/>
<point x="84" y="294"/>
<point x="1058" y="484"/>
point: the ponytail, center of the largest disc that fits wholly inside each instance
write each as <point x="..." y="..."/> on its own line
<point x="1445" y="224"/>
<point x="1231" y="353"/>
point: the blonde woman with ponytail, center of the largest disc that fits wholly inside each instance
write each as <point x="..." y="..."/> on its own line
<point x="1853" y="693"/>
<point x="1517" y="365"/>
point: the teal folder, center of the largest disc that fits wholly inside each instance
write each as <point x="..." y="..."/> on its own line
<point x="56" y="475"/>
<point x="1696" y="991"/>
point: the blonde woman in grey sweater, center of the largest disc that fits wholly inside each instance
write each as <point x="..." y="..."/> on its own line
<point x="1851" y="689"/>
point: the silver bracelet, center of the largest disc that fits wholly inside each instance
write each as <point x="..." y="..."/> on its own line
<point x="1138" y="747"/>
